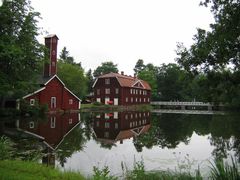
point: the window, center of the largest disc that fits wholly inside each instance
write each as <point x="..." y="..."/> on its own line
<point x="99" y="100"/>
<point x="131" y="91"/>
<point x="116" y="125"/>
<point x="53" y="64"/>
<point x="31" y="125"/>
<point x="136" y="91"/>
<point x="131" y="99"/>
<point x="106" y="134"/>
<point x="126" y="99"/>
<point x="115" y="115"/>
<point x="136" y="99"/>
<point x="98" y="91"/>
<point x="70" y="101"/>
<point x="107" y="91"/>
<point x="106" y="116"/>
<point x="70" y="121"/>
<point x="53" y="102"/>
<point x="53" y="52"/>
<point x="140" y="92"/>
<point x="116" y="91"/>
<point x="107" y="81"/>
<point x="53" y="122"/>
<point x="107" y="125"/>
<point x="32" y="102"/>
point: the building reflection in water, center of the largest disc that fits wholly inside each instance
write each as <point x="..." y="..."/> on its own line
<point x="52" y="132"/>
<point x="110" y="128"/>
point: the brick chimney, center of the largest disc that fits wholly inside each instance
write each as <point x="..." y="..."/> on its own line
<point x="50" y="68"/>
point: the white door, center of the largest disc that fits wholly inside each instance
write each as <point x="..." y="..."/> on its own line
<point x="107" y="100"/>
<point x="115" y="101"/>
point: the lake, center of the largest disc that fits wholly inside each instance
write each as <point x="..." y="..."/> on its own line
<point x="162" y="140"/>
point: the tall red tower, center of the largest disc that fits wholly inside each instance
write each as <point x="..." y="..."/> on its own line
<point x="50" y="68"/>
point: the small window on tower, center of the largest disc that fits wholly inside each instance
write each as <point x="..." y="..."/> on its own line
<point x="53" y="64"/>
<point x="53" y="52"/>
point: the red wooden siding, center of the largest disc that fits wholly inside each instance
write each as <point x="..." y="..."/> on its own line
<point x="111" y="128"/>
<point x="55" y="88"/>
<point x="54" y="129"/>
<point x="131" y="91"/>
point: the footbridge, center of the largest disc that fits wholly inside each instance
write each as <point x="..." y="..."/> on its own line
<point x="183" y="105"/>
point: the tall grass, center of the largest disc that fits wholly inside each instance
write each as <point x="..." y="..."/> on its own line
<point x="222" y="171"/>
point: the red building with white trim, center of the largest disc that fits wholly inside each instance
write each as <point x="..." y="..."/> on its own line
<point x="120" y="89"/>
<point x="110" y="128"/>
<point x="53" y="91"/>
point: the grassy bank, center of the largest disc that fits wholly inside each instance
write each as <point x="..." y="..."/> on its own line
<point x="30" y="170"/>
<point x="103" y="107"/>
<point x="13" y="169"/>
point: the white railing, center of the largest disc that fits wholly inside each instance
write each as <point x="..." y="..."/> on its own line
<point x="177" y="103"/>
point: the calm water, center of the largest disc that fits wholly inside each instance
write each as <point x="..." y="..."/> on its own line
<point x="162" y="140"/>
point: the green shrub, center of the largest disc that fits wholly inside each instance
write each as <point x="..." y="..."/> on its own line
<point x="5" y="148"/>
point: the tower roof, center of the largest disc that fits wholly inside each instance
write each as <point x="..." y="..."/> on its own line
<point x="51" y="36"/>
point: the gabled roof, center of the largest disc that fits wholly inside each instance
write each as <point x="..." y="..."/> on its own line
<point x="125" y="81"/>
<point x="45" y="80"/>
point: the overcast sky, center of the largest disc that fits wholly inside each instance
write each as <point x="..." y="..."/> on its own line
<point x="122" y="31"/>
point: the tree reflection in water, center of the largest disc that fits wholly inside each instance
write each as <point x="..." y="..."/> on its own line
<point x="168" y="130"/>
<point x="58" y="137"/>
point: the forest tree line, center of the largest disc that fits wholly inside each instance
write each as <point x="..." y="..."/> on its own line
<point x="208" y="70"/>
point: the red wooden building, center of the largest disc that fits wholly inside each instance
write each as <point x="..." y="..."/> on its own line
<point x="120" y="89"/>
<point x="109" y="128"/>
<point x="53" y="91"/>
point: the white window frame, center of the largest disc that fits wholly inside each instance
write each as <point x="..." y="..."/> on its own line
<point x="70" y="101"/>
<point x="116" y="125"/>
<point x="98" y="91"/>
<point x="106" y="134"/>
<point x="115" y="115"/>
<point x="53" y="122"/>
<point x="107" y="91"/>
<point x="107" y="125"/>
<point x="53" y="102"/>
<point x="32" y="102"/>
<point x="31" y="124"/>
<point x="107" y="81"/>
<point x="116" y="90"/>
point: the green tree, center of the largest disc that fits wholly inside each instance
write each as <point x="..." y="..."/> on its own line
<point x="21" y="53"/>
<point x="149" y="74"/>
<point x="219" y="47"/>
<point x="65" y="57"/>
<point x="173" y="83"/>
<point x="90" y="80"/>
<point x="104" y="68"/>
<point x="215" y="53"/>
<point x="73" y="77"/>
<point x="139" y="66"/>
